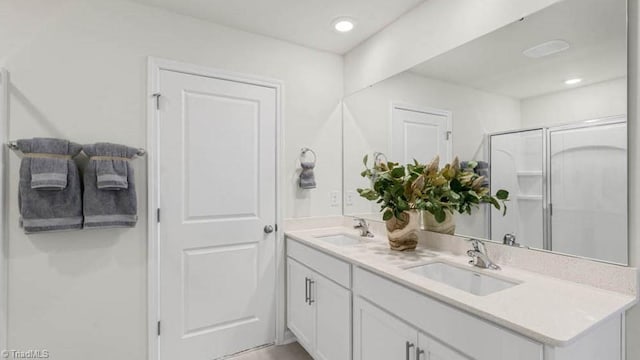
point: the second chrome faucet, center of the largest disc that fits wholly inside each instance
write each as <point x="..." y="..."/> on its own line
<point x="480" y="257"/>
<point x="361" y="224"/>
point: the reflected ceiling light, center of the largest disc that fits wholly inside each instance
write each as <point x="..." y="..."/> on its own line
<point x="573" y="81"/>
<point x="546" y="49"/>
<point x="343" y="24"/>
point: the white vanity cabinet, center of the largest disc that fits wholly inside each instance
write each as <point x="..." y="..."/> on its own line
<point x="328" y="297"/>
<point x="430" y="349"/>
<point x="381" y="336"/>
<point x="300" y="313"/>
<point x="319" y="302"/>
<point x="390" y="318"/>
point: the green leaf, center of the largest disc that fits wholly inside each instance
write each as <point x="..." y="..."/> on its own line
<point x="368" y="194"/>
<point x="456" y="185"/>
<point x="440" y="215"/>
<point x="387" y="215"/>
<point x="502" y="194"/>
<point x="398" y="172"/>
<point x="494" y="202"/>
<point x="402" y="205"/>
<point x="365" y="160"/>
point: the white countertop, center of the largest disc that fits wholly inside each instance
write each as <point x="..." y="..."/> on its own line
<point x="546" y="309"/>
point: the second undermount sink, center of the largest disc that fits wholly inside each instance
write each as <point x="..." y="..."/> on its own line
<point x="340" y="239"/>
<point x="463" y="279"/>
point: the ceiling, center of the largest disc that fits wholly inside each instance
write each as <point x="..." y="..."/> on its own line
<point x="304" y="22"/>
<point x="595" y="29"/>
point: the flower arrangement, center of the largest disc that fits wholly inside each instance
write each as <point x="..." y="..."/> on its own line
<point x="427" y="187"/>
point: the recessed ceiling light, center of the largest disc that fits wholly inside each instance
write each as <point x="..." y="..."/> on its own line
<point x="343" y="24"/>
<point x="573" y="81"/>
<point x="546" y="49"/>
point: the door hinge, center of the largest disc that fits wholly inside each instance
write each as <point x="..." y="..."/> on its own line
<point x="276" y="227"/>
<point x="550" y="209"/>
<point x="158" y="328"/>
<point x="448" y="135"/>
<point x="157" y="96"/>
<point x="158" y="214"/>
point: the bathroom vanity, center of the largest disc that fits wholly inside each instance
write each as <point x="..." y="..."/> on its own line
<point x="541" y="112"/>
<point x="350" y="297"/>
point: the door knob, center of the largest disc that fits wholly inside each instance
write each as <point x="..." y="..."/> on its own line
<point x="268" y="229"/>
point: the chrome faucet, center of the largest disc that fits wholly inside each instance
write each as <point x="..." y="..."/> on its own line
<point x="479" y="256"/>
<point x="361" y="224"/>
<point x="510" y="239"/>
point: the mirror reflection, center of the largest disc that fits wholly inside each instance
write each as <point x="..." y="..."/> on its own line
<point x="539" y="105"/>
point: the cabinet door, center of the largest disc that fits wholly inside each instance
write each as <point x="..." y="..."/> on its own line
<point x="300" y="314"/>
<point x="430" y="349"/>
<point x="333" y="320"/>
<point x="380" y="336"/>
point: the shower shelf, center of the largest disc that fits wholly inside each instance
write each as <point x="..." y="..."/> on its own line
<point x="529" y="197"/>
<point x="529" y="173"/>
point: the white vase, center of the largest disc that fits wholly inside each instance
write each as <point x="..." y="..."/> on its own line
<point x="403" y="233"/>
<point x="448" y="226"/>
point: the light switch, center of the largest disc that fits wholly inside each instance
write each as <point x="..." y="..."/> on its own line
<point x="349" y="197"/>
<point x="334" y="197"/>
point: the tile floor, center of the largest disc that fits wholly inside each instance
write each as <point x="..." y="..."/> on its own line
<point x="291" y="351"/>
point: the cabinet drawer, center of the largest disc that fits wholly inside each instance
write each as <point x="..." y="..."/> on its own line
<point x="328" y="266"/>
<point x="466" y="333"/>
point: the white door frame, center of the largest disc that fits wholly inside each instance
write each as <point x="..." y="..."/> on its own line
<point x="422" y="109"/>
<point x="155" y="65"/>
<point x="4" y="233"/>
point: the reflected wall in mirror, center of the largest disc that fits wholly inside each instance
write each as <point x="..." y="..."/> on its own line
<point x="541" y="103"/>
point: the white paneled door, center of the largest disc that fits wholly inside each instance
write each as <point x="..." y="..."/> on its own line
<point x="218" y="203"/>
<point x="420" y="134"/>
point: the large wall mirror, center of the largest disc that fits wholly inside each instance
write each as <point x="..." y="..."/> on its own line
<point x="540" y="105"/>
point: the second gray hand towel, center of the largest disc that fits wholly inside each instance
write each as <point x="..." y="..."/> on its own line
<point x="109" y="186"/>
<point x="48" y="163"/>
<point x="52" y="201"/>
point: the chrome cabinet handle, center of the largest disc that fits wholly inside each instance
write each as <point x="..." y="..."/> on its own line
<point x="268" y="229"/>
<point x="311" y="301"/>
<point x="419" y="352"/>
<point x="306" y="290"/>
<point x="408" y="347"/>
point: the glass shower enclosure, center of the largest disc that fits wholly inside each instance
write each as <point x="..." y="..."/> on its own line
<point x="568" y="188"/>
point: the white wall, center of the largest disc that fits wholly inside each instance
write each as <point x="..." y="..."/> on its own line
<point x="431" y="29"/>
<point x="82" y="76"/>
<point x="474" y="113"/>
<point x="583" y="103"/>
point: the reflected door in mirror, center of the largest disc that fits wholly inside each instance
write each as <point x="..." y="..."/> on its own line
<point x="420" y="134"/>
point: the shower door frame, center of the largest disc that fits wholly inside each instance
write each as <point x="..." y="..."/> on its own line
<point x="609" y="120"/>
<point x="547" y="202"/>
<point x="545" y="210"/>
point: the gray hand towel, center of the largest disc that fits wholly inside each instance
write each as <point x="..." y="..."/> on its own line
<point x="49" y="162"/>
<point x="109" y="187"/>
<point x="112" y="165"/>
<point x="307" y="177"/>
<point x="483" y="170"/>
<point x="42" y="211"/>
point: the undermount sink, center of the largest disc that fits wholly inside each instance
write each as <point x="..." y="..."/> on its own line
<point x="340" y="239"/>
<point x="463" y="279"/>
